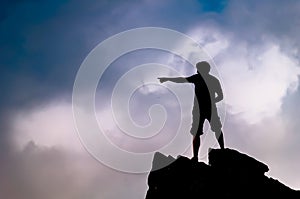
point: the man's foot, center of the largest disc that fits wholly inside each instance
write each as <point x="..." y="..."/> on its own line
<point x="194" y="159"/>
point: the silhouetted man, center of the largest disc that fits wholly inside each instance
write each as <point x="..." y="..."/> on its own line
<point x="208" y="92"/>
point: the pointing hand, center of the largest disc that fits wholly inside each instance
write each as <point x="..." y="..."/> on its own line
<point x="162" y="79"/>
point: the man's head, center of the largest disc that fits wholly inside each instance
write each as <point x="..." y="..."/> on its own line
<point x="203" y="67"/>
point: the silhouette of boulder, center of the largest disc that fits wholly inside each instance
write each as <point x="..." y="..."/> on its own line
<point x="230" y="174"/>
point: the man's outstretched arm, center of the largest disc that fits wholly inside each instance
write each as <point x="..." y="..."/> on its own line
<point x="173" y="79"/>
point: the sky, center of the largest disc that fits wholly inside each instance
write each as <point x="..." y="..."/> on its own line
<point x="254" y="48"/>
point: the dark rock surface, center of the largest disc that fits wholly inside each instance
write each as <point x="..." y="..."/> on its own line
<point x="230" y="174"/>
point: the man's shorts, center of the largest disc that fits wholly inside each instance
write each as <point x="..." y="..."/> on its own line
<point x="200" y="116"/>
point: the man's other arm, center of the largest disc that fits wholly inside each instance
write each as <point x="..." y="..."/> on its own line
<point x="219" y="91"/>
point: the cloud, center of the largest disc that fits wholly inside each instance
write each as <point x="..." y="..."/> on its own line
<point x="255" y="45"/>
<point x="47" y="172"/>
<point x="264" y="78"/>
<point x="51" y="125"/>
<point x="49" y="161"/>
<point x="264" y="70"/>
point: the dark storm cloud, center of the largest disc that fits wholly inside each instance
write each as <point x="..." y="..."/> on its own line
<point x="42" y="46"/>
<point x="44" y="42"/>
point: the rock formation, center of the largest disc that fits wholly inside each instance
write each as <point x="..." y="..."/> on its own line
<point x="230" y="174"/>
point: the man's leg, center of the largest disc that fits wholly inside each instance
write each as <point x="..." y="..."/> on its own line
<point x="197" y="129"/>
<point x="216" y="126"/>
<point x="220" y="138"/>
<point x="196" y="146"/>
<point x="197" y="140"/>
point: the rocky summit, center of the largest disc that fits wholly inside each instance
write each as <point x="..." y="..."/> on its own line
<point x="229" y="174"/>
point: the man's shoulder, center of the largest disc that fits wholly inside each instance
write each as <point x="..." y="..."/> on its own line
<point x="197" y="76"/>
<point x="192" y="78"/>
